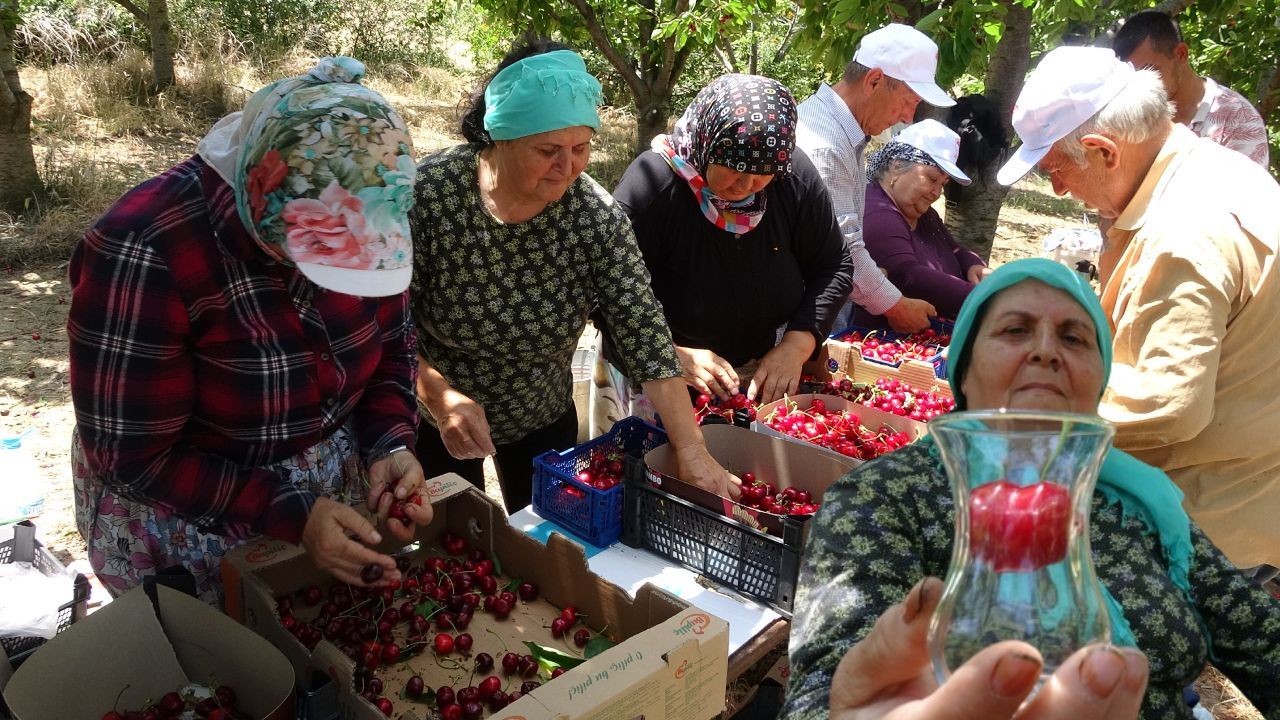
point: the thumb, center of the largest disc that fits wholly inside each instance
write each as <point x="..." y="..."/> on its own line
<point x="757" y="382"/>
<point x="896" y="649"/>
<point x="352" y="521"/>
<point x="991" y="684"/>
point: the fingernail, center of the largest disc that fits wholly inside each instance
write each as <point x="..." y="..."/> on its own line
<point x="1102" y="671"/>
<point x="1135" y="668"/>
<point x="400" y="493"/>
<point x="915" y="602"/>
<point x="1014" y="675"/>
<point x="376" y="536"/>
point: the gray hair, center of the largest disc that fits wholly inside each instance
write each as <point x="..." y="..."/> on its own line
<point x="1137" y="114"/>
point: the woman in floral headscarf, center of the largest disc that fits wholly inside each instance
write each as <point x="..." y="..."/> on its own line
<point x="739" y="234"/>
<point x="241" y="347"/>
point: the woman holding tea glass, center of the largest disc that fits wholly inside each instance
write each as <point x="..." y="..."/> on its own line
<point x="1031" y="336"/>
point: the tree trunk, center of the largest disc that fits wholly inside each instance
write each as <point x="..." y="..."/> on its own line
<point x="651" y="118"/>
<point x="973" y="219"/>
<point x="161" y="42"/>
<point x="19" y="178"/>
<point x="1269" y="94"/>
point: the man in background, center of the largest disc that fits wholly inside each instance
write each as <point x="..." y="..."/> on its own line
<point x="1151" y="39"/>
<point x="891" y="72"/>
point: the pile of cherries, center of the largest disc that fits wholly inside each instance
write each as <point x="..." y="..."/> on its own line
<point x="890" y="348"/>
<point x="429" y="610"/>
<point x="841" y="430"/>
<point x="892" y="395"/>
<point x="603" y="471"/>
<point x="707" y="406"/>
<point x="219" y="704"/>
<point x="765" y="496"/>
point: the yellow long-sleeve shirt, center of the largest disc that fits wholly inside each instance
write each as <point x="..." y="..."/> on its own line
<point x="1194" y="302"/>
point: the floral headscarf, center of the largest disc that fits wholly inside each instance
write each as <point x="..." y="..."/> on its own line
<point x="744" y="122"/>
<point x="322" y="168"/>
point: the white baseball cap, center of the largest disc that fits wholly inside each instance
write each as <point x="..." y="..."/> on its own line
<point x="938" y="142"/>
<point x="1069" y="86"/>
<point x="904" y="53"/>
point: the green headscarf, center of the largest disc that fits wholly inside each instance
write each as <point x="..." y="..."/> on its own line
<point x="1142" y="490"/>
<point x="541" y="93"/>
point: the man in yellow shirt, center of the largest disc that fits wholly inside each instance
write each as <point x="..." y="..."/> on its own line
<point x="1189" y="281"/>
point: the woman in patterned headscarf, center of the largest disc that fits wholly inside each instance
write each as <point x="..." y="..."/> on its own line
<point x="514" y="244"/>
<point x="739" y="234"/>
<point x="904" y="234"/>
<point x="241" y="351"/>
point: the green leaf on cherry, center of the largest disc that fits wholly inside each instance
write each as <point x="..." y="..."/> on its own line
<point x="551" y="658"/>
<point x="513" y="585"/>
<point x="426" y="609"/>
<point x="497" y="564"/>
<point x="597" y="645"/>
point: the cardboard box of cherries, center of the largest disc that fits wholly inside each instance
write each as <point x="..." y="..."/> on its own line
<point x="485" y="622"/>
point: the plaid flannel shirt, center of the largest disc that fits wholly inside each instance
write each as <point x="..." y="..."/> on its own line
<point x="196" y="360"/>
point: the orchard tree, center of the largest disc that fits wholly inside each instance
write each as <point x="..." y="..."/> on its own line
<point x="19" y="179"/>
<point x="647" y="42"/>
<point x="156" y="19"/>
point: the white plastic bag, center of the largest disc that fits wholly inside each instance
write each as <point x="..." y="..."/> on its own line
<point x="29" y="600"/>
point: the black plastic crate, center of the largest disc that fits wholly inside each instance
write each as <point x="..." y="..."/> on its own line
<point x="592" y="514"/>
<point x="755" y="563"/>
<point x="23" y="547"/>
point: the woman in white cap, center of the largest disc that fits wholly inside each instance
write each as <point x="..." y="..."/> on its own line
<point x="904" y="234"/>
<point x="514" y="245"/>
<point x="241" y="349"/>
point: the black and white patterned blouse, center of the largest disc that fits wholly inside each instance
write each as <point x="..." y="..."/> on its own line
<point x="499" y="307"/>
<point x="889" y="523"/>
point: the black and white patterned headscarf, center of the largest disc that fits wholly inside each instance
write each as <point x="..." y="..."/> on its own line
<point x="880" y="159"/>
<point x="744" y="122"/>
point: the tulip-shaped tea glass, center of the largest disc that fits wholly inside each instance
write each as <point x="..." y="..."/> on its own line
<point x="1020" y="567"/>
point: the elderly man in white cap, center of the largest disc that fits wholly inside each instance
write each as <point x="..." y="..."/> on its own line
<point x="891" y="72"/>
<point x="1189" y="280"/>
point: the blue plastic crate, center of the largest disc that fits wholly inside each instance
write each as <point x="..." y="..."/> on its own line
<point x="591" y="514"/>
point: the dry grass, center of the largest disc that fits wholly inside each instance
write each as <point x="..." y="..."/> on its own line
<point x="1220" y="697"/>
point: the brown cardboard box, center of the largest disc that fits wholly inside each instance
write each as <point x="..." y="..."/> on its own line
<point x="846" y="359"/>
<point x="869" y="417"/>
<point x="131" y="652"/>
<point x="671" y="661"/>
<point x="774" y="459"/>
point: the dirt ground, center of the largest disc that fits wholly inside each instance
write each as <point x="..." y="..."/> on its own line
<point x="35" y="396"/>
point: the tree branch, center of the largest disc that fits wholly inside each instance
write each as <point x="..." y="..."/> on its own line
<point x="724" y="50"/>
<point x="620" y="62"/>
<point x="133" y="10"/>
<point x="789" y="38"/>
<point x="1173" y="7"/>
<point x="668" y="70"/>
<point x="1269" y="95"/>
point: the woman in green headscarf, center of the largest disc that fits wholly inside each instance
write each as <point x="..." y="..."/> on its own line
<point x="514" y="244"/>
<point x="1030" y="336"/>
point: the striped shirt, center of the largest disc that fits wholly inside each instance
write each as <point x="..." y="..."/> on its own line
<point x="829" y="134"/>
<point x="196" y="360"/>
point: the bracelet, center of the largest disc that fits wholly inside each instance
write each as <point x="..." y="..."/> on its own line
<point x="378" y="455"/>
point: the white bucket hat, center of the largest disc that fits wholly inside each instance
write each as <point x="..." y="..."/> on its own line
<point x="904" y="53"/>
<point x="938" y="142"/>
<point x="1069" y="86"/>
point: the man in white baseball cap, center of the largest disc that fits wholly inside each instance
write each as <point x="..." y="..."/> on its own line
<point x="891" y="72"/>
<point x="1189" y="281"/>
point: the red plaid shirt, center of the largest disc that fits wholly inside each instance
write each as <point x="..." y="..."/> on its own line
<point x="196" y="360"/>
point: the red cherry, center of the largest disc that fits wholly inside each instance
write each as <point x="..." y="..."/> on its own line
<point x="501" y="609"/>
<point x="385" y="706"/>
<point x="1019" y="528"/>
<point x="451" y="712"/>
<point x="510" y="663"/>
<point x="463" y="643"/>
<point x="390" y="654"/>
<point x="112" y="715"/>
<point x="443" y="644"/>
<point x="489" y="686"/>
<point x="444" y="697"/>
<point x="581" y="637"/>
<point x="558" y="627"/>
<point x="484" y="662"/>
<point x="570" y="615"/>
